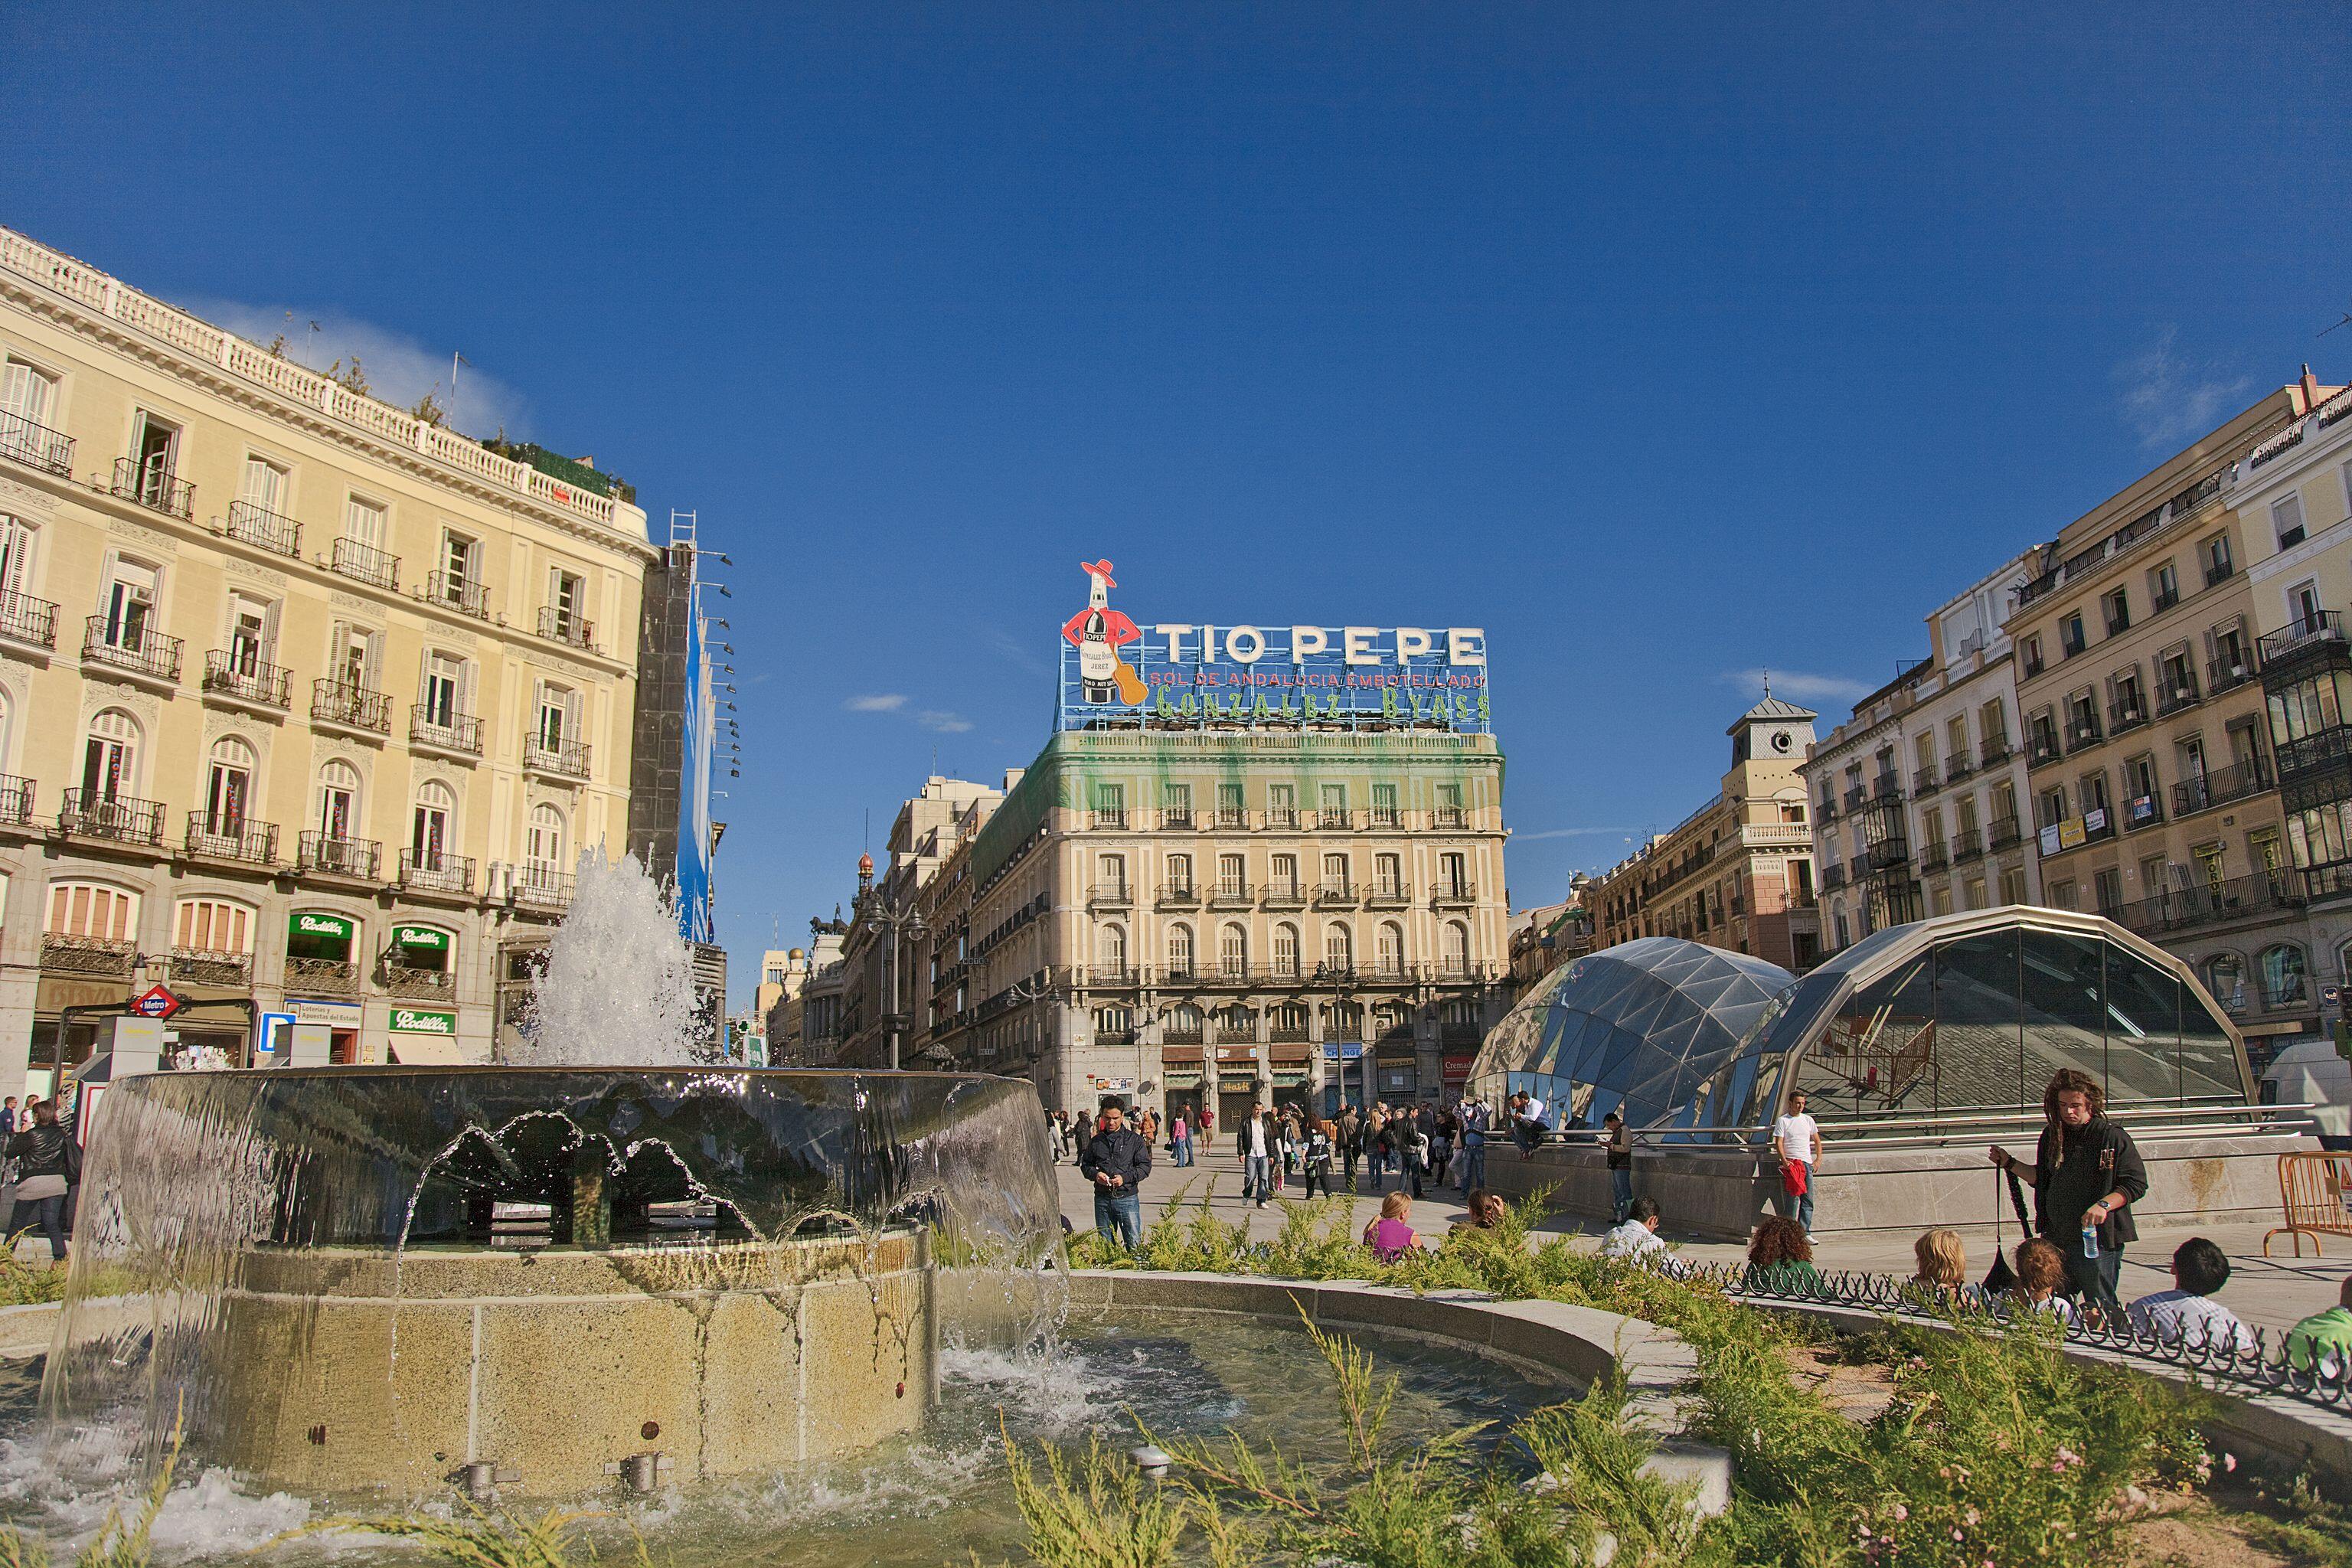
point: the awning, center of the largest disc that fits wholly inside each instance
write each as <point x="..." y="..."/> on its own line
<point x="424" y="1050"/>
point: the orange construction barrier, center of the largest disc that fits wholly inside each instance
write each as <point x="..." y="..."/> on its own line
<point x="2316" y="1192"/>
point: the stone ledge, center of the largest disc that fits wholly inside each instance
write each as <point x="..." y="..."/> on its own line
<point x="25" y="1332"/>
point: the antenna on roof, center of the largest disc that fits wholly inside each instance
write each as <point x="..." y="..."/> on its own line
<point x="2342" y="321"/>
<point x="1767" y="683"/>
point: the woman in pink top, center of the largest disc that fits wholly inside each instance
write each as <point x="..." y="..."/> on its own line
<point x="1389" y="1237"/>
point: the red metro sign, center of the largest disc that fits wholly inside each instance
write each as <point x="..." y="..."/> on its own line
<point x="155" y="1003"/>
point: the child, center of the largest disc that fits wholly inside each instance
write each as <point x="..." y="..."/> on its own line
<point x="1389" y="1236"/>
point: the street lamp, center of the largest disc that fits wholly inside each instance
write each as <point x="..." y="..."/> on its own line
<point x="902" y="922"/>
<point x="1028" y="993"/>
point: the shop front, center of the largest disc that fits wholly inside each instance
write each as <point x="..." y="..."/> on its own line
<point x="322" y="979"/>
<point x="1237" y="1087"/>
<point x="1180" y="1072"/>
<point x="1399" y="1075"/>
<point x="1343" y="1076"/>
<point x="421" y="1036"/>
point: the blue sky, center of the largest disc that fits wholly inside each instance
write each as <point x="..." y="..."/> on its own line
<point x="1667" y="346"/>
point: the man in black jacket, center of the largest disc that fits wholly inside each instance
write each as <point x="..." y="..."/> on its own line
<point x="2085" y="1170"/>
<point x="1117" y="1160"/>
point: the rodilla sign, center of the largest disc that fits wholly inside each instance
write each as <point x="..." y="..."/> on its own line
<point x="1179" y="672"/>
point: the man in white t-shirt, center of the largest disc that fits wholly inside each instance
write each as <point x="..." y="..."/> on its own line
<point x="1531" y="1127"/>
<point x="1797" y="1140"/>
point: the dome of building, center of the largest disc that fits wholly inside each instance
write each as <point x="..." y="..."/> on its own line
<point x="1643" y="1028"/>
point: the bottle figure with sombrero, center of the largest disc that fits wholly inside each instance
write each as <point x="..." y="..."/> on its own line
<point x="1099" y="632"/>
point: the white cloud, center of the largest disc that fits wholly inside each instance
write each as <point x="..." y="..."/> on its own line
<point x="400" y="370"/>
<point x="944" y="723"/>
<point x="1799" y="686"/>
<point x="880" y="702"/>
<point x="2170" y="402"/>
<point x="1566" y="833"/>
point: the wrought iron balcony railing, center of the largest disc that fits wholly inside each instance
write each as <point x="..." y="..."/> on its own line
<point x="257" y="525"/>
<point x="199" y="966"/>
<point x="321" y="977"/>
<point x="234" y="672"/>
<point x="417" y="985"/>
<point x="567" y="627"/>
<point x="354" y="707"/>
<point x="333" y="857"/>
<point x="467" y="596"/>
<point x="90" y="815"/>
<point x="567" y="759"/>
<point x="86" y="954"/>
<point x="365" y="563"/>
<point x="131" y="645"/>
<point x="445" y="729"/>
<point x="51" y="451"/>
<point x="2218" y="786"/>
<point x="15" y="801"/>
<point x="25" y="619"/>
<point x="231" y="835"/>
<point x="153" y="488"/>
<point x="539" y="885"/>
<point x="436" y="871"/>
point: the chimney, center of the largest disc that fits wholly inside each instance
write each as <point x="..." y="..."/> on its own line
<point x="2310" y="391"/>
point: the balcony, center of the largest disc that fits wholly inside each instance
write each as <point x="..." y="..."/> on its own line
<point x="1967" y="844"/>
<point x="1337" y="895"/>
<point x="1832" y="878"/>
<point x="444" y="730"/>
<point x="365" y="563"/>
<point x="26" y="620"/>
<point x="1112" y="816"/>
<point x="1386" y="818"/>
<point x="558" y="759"/>
<point x="1180" y="895"/>
<point x="1109" y="976"/>
<point x="263" y="529"/>
<point x="240" y="678"/>
<point x="1934" y="857"/>
<point x="50" y="451"/>
<point x="1448" y="816"/>
<point x="1453" y="895"/>
<point x="1232" y="817"/>
<point x="2082" y="733"/>
<point x="1387" y="896"/>
<point x="1958" y="766"/>
<point x="153" y="488"/>
<point x="324" y="856"/>
<point x="1856" y="798"/>
<point x="230" y="836"/>
<point x="321" y="977"/>
<point x="2211" y="903"/>
<point x="1925" y="780"/>
<point x="1994" y="751"/>
<point x="2220" y="572"/>
<point x="2227" y="671"/>
<point x="2164" y="599"/>
<point x="2126" y="712"/>
<point x="416" y="984"/>
<point x="2220" y="786"/>
<point x="1286" y="1034"/>
<point x="1282" y="817"/>
<point x="15" y="801"/>
<point x="537" y="885"/>
<point x="2006" y="832"/>
<point x="1284" y="896"/>
<point x="451" y="591"/>
<point x="1176" y="818"/>
<point x="1335" y="821"/>
<point x="90" y="815"/>
<point x="1231" y="896"/>
<point x="2316" y="634"/>
<point x="198" y="966"/>
<point x="87" y="954"/>
<point x="1888" y="855"/>
<point x="128" y="647"/>
<point x="433" y="871"/>
<point x="1111" y="896"/>
<point x="2142" y="811"/>
<point x="1173" y="1035"/>
<point x="1827" y="810"/>
<point x="568" y="627"/>
<point x="2175" y="695"/>
<point x="353" y="708"/>
<point x="2040" y="748"/>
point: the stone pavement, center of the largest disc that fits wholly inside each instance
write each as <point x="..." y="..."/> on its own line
<point x="2267" y="1292"/>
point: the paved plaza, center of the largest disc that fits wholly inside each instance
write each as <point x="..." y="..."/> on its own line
<point x="2267" y="1292"/>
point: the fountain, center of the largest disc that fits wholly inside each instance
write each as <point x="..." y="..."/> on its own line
<point x="610" y="1262"/>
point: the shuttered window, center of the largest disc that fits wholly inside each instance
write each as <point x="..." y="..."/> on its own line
<point x="87" y="908"/>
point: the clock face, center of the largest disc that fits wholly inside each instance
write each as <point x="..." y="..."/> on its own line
<point x="1782" y="739"/>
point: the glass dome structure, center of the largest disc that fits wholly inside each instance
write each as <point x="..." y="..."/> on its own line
<point x="1945" y="1020"/>
<point x="1644" y="1028"/>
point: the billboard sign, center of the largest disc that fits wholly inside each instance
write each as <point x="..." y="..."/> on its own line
<point x="1193" y="675"/>
<point x="701" y="741"/>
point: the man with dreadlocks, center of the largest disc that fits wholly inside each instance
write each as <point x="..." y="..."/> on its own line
<point x="2087" y="1171"/>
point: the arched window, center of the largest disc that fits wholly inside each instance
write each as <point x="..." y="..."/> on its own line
<point x="1184" y="1026"/>
<point x="1114" y="1025"/>
<point x="2282" y="975"/>
<point x="339" y="800"/>
<point x="1287" y="1021"/>
<point x="228" y="786"/>
<point x="7" y="716"/>
<point x="214" y="926"/>
<point x="91" y="909"/>
<point x="1343" y="1020"/>
<point x="1233" y="950"/>
<point x="430" y="828"/>
<point x="1338" y="949"/>
<point x="1180" y="951"/>
<point x="1390" y="948"/>
<point x="2225" y="977"/>
<point x="110" y="758"/>
<point x="543" y="849"/>
<point x="1235" y="1021"/>
<point x="1391" y="1018"/>
<point x="1457" y="948"/>
<point x="1110" y="950"/>
<point x="1286" y="949"/>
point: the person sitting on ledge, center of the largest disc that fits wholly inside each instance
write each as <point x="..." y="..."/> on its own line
<point x="1486" y="1210"/>
<point x="1637" y="1239"/>
<point x="1391" y="1237"/>
<point x="1942" y="1279"/>
<point x="2187" y="1315"/>
<point x="1527" y="1124"/>
<point x="2041" y="1270"/>
<point x="1781" y="1257"/>
<point x="2325" y="1338"/>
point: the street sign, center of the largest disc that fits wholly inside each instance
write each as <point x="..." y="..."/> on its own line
<point x="155" y="1003"/>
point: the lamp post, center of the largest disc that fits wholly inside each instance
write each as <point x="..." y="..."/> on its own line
<point x="1028" y="993"/>
<point x="902" y="922"/>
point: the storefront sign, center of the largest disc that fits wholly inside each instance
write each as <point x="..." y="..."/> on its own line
<point x="334" y="1015"/>
<point x="1181" y="673"/>
<point x="419" y="1021"/>
<point x="1343" y="1050"/>
<point x="1237" y="1053"/>
<point x="1110" y="1085"/>
<point x="420" y="936"/>
<point x="311" y="923"/>
<point x="1456" y="1069"/>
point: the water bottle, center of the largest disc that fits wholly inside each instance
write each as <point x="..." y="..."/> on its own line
<point x="2091" y="1242"/>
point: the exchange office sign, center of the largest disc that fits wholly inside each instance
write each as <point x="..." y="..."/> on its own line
<point x="1182" y="672"/>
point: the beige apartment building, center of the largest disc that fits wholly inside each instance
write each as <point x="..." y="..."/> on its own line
<point x="2155" y="791"/>
<point x="1738" y="873"/>
<point x="306" y="705"/>
<point x="1187" y="916"/>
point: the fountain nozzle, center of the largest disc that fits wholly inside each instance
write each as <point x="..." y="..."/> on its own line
<point x="641" y="1472"/>
<point x="480" y="1480"/>
<point x="1152" y="1461"/>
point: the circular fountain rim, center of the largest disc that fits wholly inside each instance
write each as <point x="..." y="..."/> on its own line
<point x="573" y="1069"/>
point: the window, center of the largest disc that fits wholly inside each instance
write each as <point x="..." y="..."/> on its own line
<point x="1180" y="873"/>
<point x="1180" y="952"/>
<point x="252" y="632"/>
<point x="128" y="604"/>
<point x="1338" y="949"/>
<point x="2282" y="976"/>
<point x="156" y="453"/>
<point x="447" y="689"/>
<point x="110" y="758"/>
<point x="27" y="393"/>
<point x="428" y="829"/>
<point x="1110" y="950"/>
<point x="213" y="925"/>
<point x="1183" y="1025"/>
<point x="2071" y="639"/>
<point x="1285" y="949"/>
<point x="2050" y="807"/>
<point x="1449" y="805"/>
<point x="2030" y="654"/>
<point x="1974" y="896"/>
<point x="2219" y="564"/>
<point x="543" y="846"/>
<point x="1336" y="874"/>
<point x="2061" y="896"/>
<point x="16" y="541"/>
<point x="1176" y="805"/>
<point x="363" y="521"/>
<point x="338" y="800"/>
<point x="264" y="485"/>
<point x="1457" y="948"/>
<point x="1232" y="952"/>
<point x="228" y="785"/>
<point x="1284" y="883"/>
<point x="1452" y="875"/>
<point x="2107" y="886"/>
<point x="1229" y="806"/>
<point x="1232" y="874"/>
<point x="2286" y="521"/>
<point x="92" y="910"/>
<point x="2118" y="612"/>
<point x="559" y="717"/>
<point x="2163" y="587"/>
<point x="1110" y="876"/>
<point x="1111" y="806"/>
<point x="459" y="580"/>
<point x="2012" y="885"/>
<point x="567" y="604"/>
<point x="2225" y="977"/>
<point x="1388" y="876"/>
<point x="1384" y="805"/>
<point x="1331" y="809"/>
<point x="353" y="657"/>
<point x="1389" y="948"/>
<point x="1281" y="806"/>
